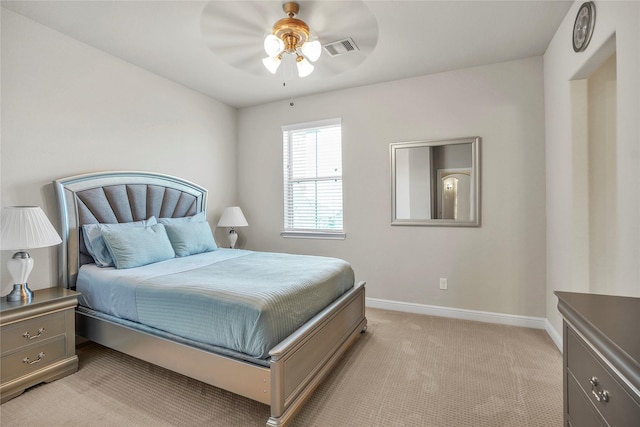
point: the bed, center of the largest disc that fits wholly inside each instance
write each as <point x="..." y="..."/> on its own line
<point x="281" y="370"/>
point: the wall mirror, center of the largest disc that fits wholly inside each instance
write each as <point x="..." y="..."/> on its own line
<point x="436" y="182"/>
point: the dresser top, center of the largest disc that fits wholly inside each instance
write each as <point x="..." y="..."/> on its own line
<point x="610" y="323"/>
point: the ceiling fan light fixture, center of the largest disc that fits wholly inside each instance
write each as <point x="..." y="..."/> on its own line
<point x="273" y="46"/>
<point x="292" y="36"/>
<point x="304" y="67"/>
<point x="312" y="50"/>
<point x="272" y="63"/>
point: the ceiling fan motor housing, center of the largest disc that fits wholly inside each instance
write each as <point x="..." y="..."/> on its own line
<point x="292" y="31"/>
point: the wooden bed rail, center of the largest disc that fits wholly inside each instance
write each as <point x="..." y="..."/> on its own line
<point x="294" y="340"/>
<point x="299" y="363"/>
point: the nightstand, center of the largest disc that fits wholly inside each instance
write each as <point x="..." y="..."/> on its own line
<point x="37" y="340"/>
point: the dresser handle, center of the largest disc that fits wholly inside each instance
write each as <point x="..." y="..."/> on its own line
<point x="31" y="362"/>
<point x="601" y="396"/>
<point x="28" y="336"/>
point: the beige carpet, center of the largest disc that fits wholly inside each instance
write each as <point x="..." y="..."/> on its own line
<point x="406" y="370"/>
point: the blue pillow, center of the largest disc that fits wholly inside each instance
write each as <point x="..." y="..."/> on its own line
<point x="95" y="243"/>
<point x="200" y="217"/>
<point x="136" y="246"/>
<point x="190" y="238"/>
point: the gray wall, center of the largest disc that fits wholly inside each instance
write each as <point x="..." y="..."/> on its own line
<point x="617" y="29"/>
<point x="68" y="109"/>
<point x="499" y="267"/>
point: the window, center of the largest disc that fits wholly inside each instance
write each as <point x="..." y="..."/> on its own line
<point x="312" y="154"/>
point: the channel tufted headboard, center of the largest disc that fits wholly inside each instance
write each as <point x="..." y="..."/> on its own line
<point x="113" y="197"/>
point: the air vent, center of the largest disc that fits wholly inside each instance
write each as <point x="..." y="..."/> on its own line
<point x="341" y="47"/>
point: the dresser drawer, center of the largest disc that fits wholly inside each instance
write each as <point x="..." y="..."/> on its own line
<point x="32" y="358"/>
<point x="581" y="411"/>
<point x="30" y="331"/>
<point x="619" y="408"/>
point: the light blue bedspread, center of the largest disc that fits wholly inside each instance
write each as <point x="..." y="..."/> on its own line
<point x="242" y="300"/>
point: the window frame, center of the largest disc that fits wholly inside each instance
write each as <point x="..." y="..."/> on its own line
<point x="308" y="233"/>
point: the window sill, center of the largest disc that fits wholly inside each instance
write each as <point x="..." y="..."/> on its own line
<point x="340" y="235"/>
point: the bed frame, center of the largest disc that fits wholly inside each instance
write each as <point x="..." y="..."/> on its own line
<point x="297" y="365"/>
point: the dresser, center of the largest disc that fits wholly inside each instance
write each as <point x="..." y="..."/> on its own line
<point x="601" y="336"/>
<point x="37" y="340"/>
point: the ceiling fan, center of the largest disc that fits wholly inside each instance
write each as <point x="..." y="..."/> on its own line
<point x="239" y="33"/>
<point x="291" y="36"/>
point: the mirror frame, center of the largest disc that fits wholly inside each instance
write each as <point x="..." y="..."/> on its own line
<point x="475" y="165"/>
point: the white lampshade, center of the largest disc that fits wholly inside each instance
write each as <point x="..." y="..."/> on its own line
<point x="26" y="227"/>
<point x="312" y="50"/>
<point x="273" y="45"/>
<point x="21" y="228"/>
<point x="232" y="217"/>
<point x="304" y="67"/>
<point x="271" y="63"/>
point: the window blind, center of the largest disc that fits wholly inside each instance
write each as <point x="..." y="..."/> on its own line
<point x="312" y="154"/>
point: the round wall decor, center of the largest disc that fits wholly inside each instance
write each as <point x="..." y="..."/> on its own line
<point x="583" y="27"/>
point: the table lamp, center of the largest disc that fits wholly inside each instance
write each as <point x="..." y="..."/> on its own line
<point x="22" y="228"/>
<point x="232" y="217"/>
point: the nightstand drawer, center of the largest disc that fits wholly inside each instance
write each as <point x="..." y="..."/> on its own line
<point x="601" y="388"/>
<point x="32" y="358"/>
<point x="31" y="331"/>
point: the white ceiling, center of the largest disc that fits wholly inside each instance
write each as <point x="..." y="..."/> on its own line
<point x="216" y="47"/>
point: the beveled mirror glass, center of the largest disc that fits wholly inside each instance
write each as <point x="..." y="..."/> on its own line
<point x="436" y="182"/>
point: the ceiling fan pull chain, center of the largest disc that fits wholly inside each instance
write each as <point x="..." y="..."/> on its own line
<point x="291" y="104"/>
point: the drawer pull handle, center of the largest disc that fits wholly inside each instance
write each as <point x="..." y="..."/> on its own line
<point x="28" y="336"/>
<point x="31" y="362"/>
<point x="601" y="396"/>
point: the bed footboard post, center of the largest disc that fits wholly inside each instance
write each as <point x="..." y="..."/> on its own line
<point x="299" y="363"/>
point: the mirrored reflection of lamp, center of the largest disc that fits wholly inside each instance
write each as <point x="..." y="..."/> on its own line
<point x="291" y="36"/>
<point x="232" y="217"/>
<point x="22" y="228"/>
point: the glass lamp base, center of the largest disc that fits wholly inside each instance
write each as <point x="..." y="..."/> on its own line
<point x="233" y="238"/>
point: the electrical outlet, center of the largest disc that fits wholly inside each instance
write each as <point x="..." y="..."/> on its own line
<point x="443" y="283"/>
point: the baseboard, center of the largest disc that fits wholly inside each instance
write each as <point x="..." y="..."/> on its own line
<point x="553" y="334"/>
<point x="464" y="314"/>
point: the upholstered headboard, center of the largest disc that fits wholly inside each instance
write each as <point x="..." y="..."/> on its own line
<point x="113" y="197"/>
